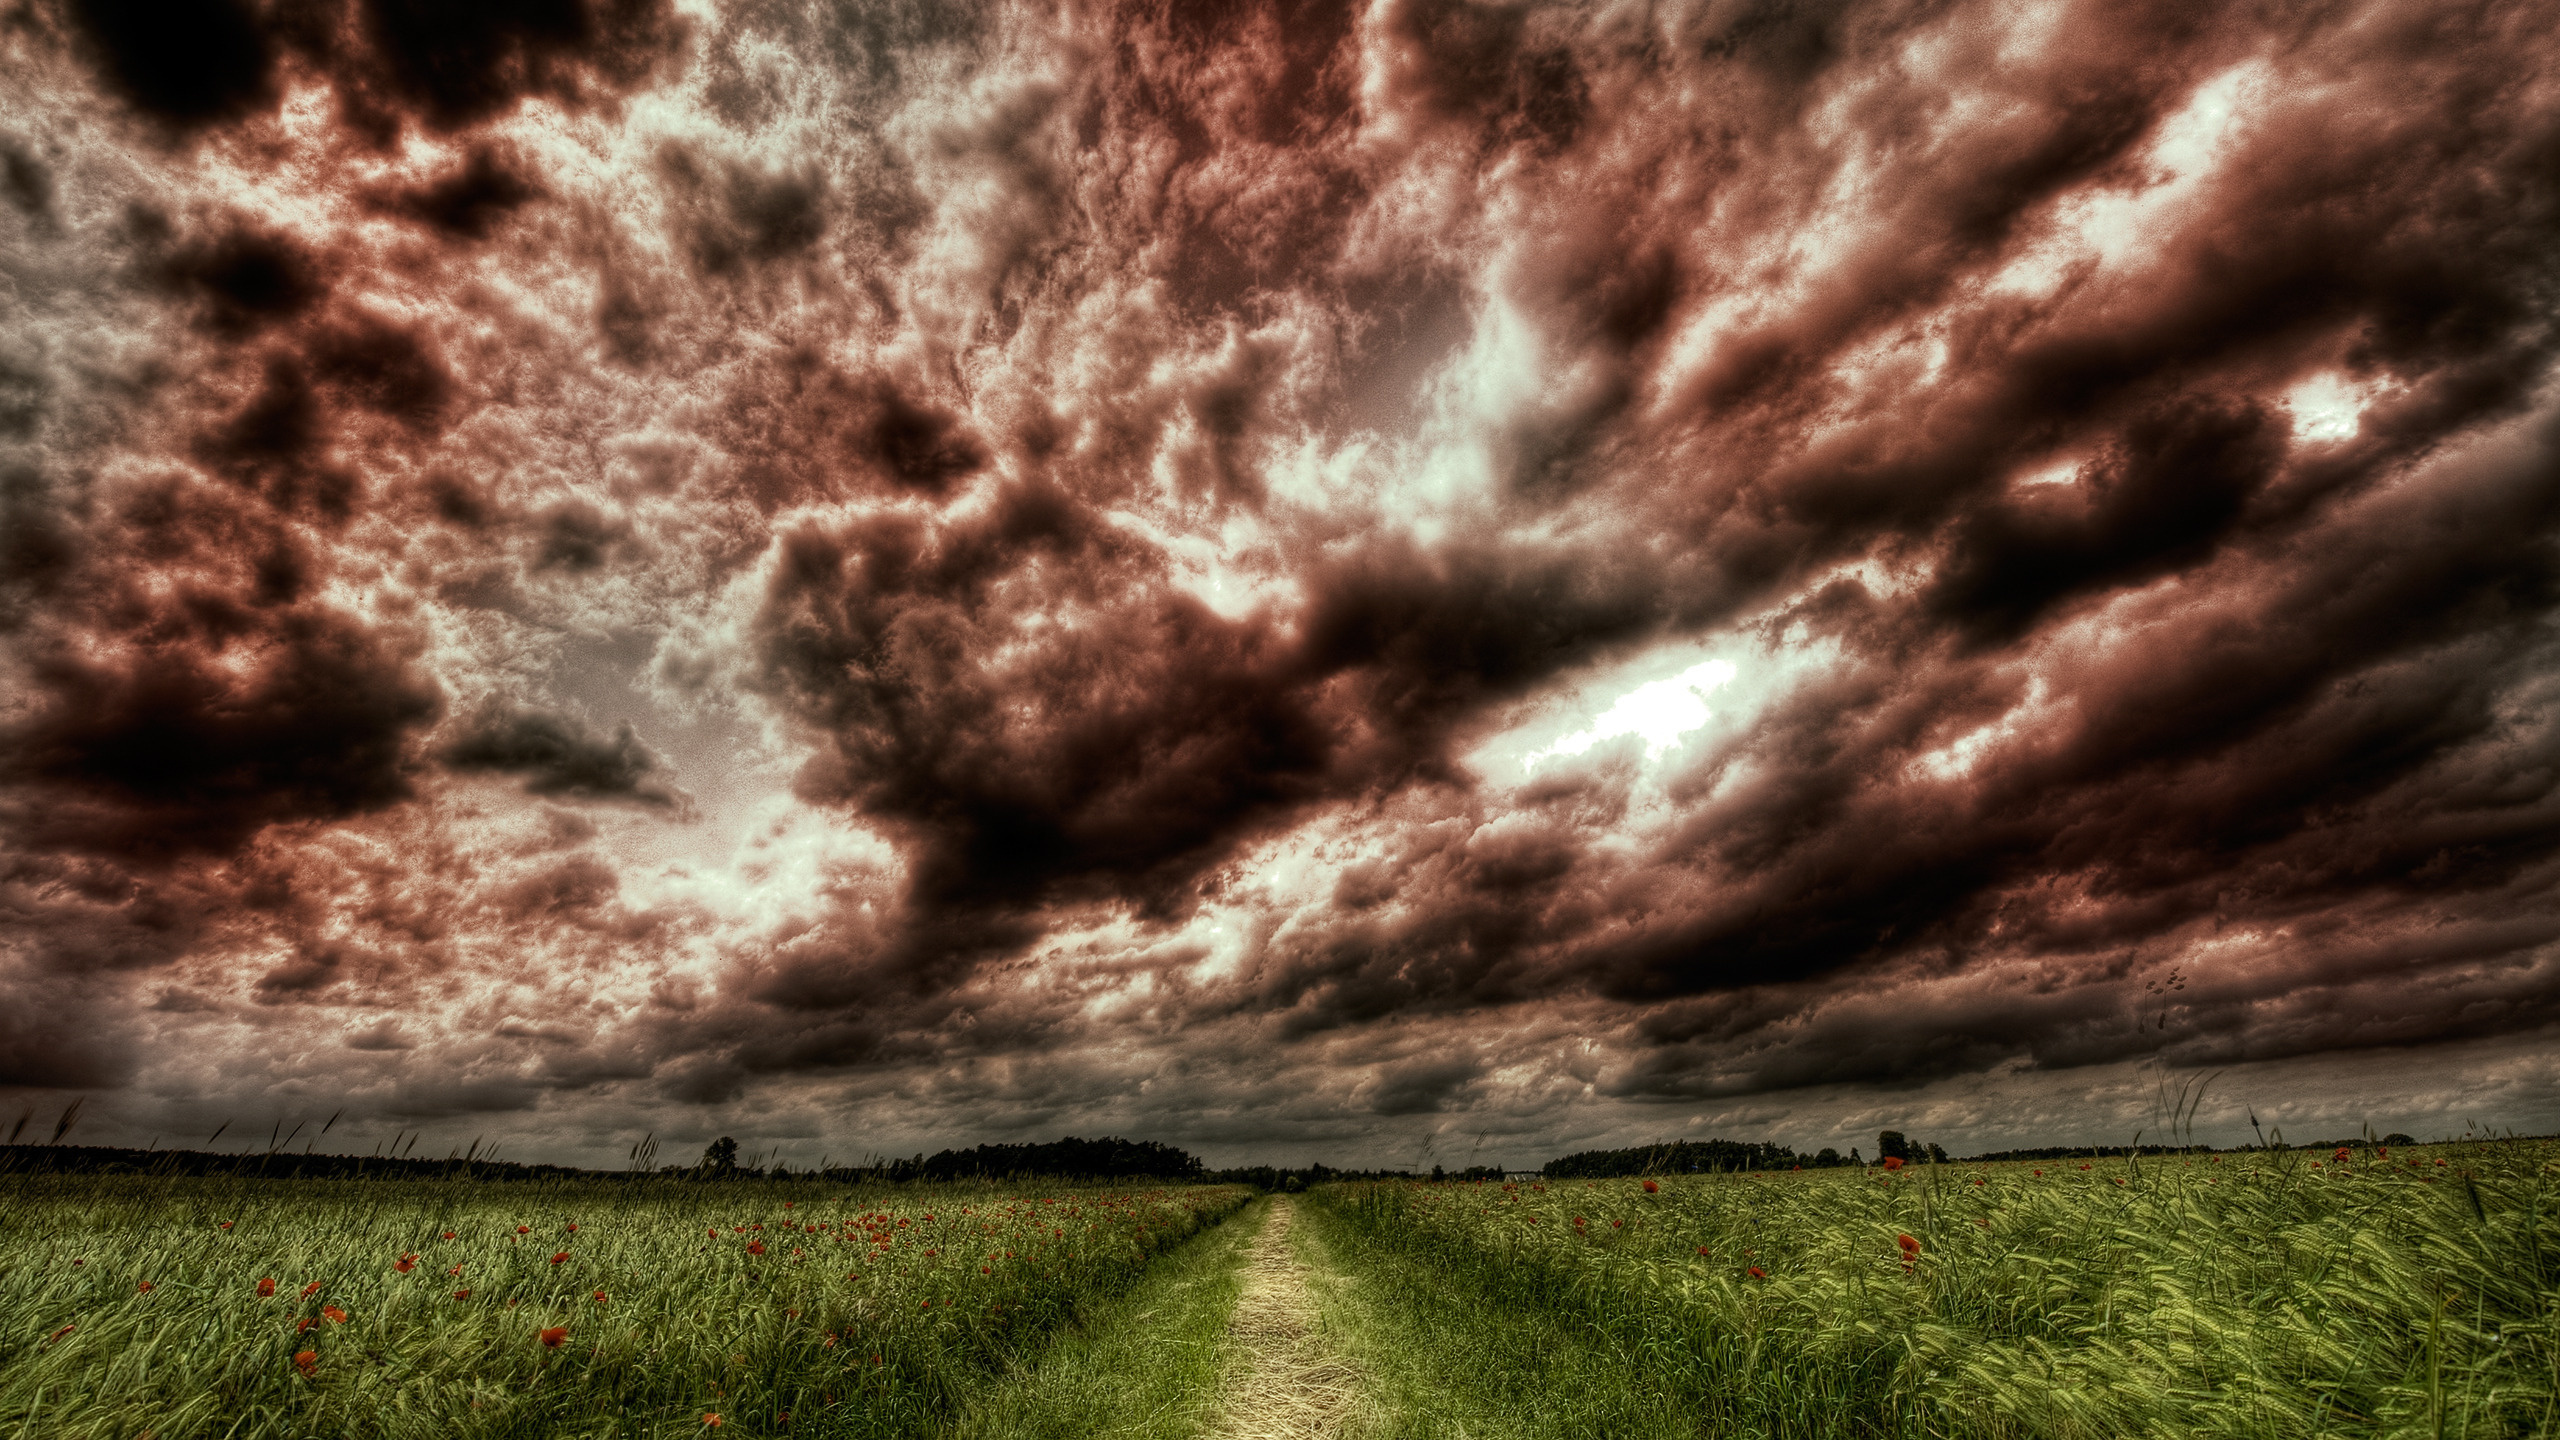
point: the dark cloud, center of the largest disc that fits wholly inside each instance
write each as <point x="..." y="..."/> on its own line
<point x="172" y="749"/>
<point x="244" y="280"/>
<point x="561" y="756"/>
<point x="469" y="203"/>
<point x="186" y="65"/>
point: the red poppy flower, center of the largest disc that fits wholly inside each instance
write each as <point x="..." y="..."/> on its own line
<point x="787" y="1204"/>
<point x="306" y="1361"/>
<point x="1650" y="1188"/>
<point x="2341" y="1156"/>
<point x="1758" y="1274"/>
<point x="573" y="1227"/>
<point x="2084" y="1167"/>
<point x="448" y="1234"/>
<point x="311" y="1289"/>
<point x="599" y="1297"/>
<point x="1893" y="1162"/>
<point x="524" y="1229"/>
<point x="405" y="1264"/>
<point x="755" y="1247"/>
<point x="710" y="1419"/>
<point x="65" y="1330"/>
<point x="146" y="1288"/>
<point x="461" y="1294"/>
<point x="456" y="1270"/>
<point x="226" y="1224"/>
<point x="305" y="1323"/>
<point x="266" y="1288"/>
<point x="1909" y="1245"/>
<point x="714" y="1232"/>
<point x="1702" y="1252"/>
<point x="555" y="1337"/>
<point x="336" y="1315"/>
<point x="563" y="1255"/>
<point x="2039" y="1173"/>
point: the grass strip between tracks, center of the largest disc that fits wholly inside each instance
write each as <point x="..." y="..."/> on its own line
<point x="1145" y="1366"/>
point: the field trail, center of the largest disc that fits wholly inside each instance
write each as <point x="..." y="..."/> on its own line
<point x="1290" y="1384"/>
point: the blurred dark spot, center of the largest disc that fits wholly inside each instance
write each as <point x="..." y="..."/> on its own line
<point x="470" y="202"/>
<point x="188" y="63"/>
<point x="29" y="183"/>
<point x="247" y="281"/>
<point x="577" y="536"/>
<point x="920" y="445"/>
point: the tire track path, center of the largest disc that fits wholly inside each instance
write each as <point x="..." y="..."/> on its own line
<point x="1290" y="1385"/>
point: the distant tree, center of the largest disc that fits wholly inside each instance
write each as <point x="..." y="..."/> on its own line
<point x="1937" y="1156"/>
<point x="1853" y="1156"/>
<point x="1892" y="1146"/>
<point x="2397" y="1139"/>
<point x="1438" y="1174"/>
<point x="1828" y="1158"/>
<point x="721" y="1157"/>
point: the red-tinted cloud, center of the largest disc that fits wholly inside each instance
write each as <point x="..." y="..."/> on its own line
<point x="1274" y="572"/>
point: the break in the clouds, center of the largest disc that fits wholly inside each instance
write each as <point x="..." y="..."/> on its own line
<point x="1287" y="578"/>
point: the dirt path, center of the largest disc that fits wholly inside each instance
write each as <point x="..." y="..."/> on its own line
<point x="1291" y="1385"/>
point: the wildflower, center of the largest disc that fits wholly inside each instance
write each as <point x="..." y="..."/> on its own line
<point x="755" y="1247"/>
<point x="266" y="1288"/>
<point x="456" y="1270"/>
<point x="311" y="1289"/>
<point x="2039" y="1174"/>
<point x="336" y="1315"/>
<point x="573" y="1227"/>
<point x="1702" y="1252"/>
<point x="226" y="1224"/>
<point x="524" y="1229"/>
<point x="448" y="1234"/>
<point x="555" y="1337"/>
<point x="1909" y="1245"/>
<point x="65" y="1330"/>
<point x="1893" y="1162"/>
<point x="2341" y="1156"/>
<point x="1650" y="1188"/>
<point x="461" y="1294"/>
<point x="714" y="1232"/>
<point x="306" y="1361"/>
<point x="563" y="1255"/>
<point x="405" y="1264"/>
<point x="146" y="1288"/>
<point x="1757" y="1273"/>
<point x="599" y="1297"/>
<point x="787" y="1204"/>
<point x="2084" y="1167"/>
<point x="305" y="1323"/>
<point x="711" y="1419"/>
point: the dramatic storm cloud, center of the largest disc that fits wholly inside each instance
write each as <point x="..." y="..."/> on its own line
<point x="1407" y="580"/>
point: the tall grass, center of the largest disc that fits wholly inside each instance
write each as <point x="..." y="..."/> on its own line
<point x="820" y="1309"/>
<point x="2258" y="1296"/>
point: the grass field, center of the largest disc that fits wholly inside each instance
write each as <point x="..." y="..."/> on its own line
<point x="2414" y="1294"/>
<point x="2408" y="1294"/>
<point x="368" y="1308"/>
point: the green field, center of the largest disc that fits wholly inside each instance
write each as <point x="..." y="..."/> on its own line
<point x="248" y="1308"/>
<point x="2414" y="1294"/>
<point x="2409" y="1294"/>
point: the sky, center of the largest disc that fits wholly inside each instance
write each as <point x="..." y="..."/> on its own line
<point x="1395" y="583"/>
